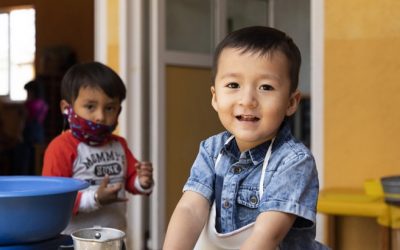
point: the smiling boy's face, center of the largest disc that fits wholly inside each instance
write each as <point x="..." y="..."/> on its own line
<point x="252" y="95"/>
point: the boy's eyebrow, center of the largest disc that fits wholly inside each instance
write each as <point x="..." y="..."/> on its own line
<point x="229" y="75"/>
<point x="270" y="76"/>
<point x="262" y="76"/>
<point x="112" y="102"/>
<point x="89" y="99"/>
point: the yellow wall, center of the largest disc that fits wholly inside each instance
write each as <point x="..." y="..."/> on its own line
<point x="362" y="90"/>
<point x="362" y="100"/>
<point x="190" y="119"/>
<point x="113" y="34"/>
<point x="113" y="38"/>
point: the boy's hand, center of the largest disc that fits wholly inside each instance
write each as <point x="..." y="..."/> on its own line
<point x="107" y="194"/>
<point x="145" y="173"/>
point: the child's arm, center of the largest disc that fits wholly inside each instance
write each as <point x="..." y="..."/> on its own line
<point x="139" y="175"/>
<point x="145" y="175"/>
<point x="187" y="222"/>
<point x="269" y="230"/>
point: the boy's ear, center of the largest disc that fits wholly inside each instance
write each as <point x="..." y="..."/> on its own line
<point x="64" y="106"/>
<point x="293" y="103"/>
<point x="214" y="99"/>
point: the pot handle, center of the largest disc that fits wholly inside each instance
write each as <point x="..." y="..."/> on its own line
<point x="69" y="247"/>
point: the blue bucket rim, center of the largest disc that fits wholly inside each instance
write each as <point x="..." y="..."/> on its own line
<point x="56" y="185"/>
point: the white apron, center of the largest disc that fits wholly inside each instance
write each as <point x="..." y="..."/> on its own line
<point x="210" y="239"/>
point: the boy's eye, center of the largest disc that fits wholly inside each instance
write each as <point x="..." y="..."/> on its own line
<point x="233" y="85"/>
<point x="111" y="109"/>
<point x="89" y="107"/>
<point x="266" y="87"/>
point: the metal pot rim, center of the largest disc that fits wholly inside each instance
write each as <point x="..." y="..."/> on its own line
<point x="121" y="237"/>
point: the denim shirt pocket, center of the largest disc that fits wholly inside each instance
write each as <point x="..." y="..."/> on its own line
<point x="248" y="200"/>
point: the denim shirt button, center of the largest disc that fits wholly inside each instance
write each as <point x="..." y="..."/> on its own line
<point x="237" y="170"/>
<point x="253" y="199"/>
<point x="226" y="204"/>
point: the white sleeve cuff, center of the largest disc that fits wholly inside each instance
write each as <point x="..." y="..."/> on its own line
<point x="88" y="202"/>
<point x="140" y="189"/>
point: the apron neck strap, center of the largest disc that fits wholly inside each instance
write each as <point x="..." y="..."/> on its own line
<point x="264" y="167"/>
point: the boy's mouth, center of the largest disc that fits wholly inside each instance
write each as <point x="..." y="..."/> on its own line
<point x="247" y="118"/>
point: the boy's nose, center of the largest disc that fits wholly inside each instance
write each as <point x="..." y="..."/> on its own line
<point x="248" y="98"/>
<point x="99" y="118"/>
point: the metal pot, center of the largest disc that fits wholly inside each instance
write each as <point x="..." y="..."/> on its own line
<point x="98" y="238"/>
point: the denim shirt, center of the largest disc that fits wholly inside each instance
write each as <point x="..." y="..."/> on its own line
<point x="290" y="184"/>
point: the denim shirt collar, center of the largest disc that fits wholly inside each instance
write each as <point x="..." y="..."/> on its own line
<point x="257" y="154"/>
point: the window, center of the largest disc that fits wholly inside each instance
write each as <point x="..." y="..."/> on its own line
<point x="17" y="51"/>
<point x="184" y="20"/>
<point x="242" y="13"/>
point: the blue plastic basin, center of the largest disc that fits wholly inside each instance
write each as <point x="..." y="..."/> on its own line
<point x="35" y="208"/>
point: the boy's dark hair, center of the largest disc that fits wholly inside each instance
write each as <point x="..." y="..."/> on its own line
<point x="263" y="40"/>
<point x="94" y="75"/>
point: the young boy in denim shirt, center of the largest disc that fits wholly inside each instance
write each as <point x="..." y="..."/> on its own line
<point x="253" y="186"/>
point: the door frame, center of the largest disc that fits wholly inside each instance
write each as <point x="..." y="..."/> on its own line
<point x="317" y="95"/>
